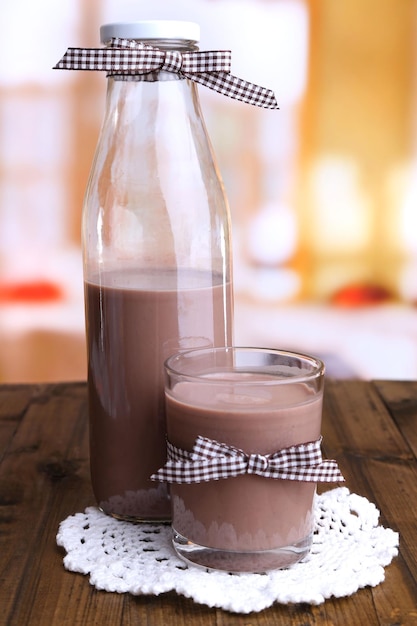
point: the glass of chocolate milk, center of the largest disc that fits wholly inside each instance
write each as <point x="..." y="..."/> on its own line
<point x="253" y="402"/>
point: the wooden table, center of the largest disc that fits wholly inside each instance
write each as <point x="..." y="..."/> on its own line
<point x="370" y="427"/>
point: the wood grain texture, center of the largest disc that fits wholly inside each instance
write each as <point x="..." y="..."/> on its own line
<point x="371" y="428"/>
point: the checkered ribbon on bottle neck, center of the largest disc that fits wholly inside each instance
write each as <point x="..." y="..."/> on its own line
<point x="131" y="57"/>
<point x="212" y="460"/>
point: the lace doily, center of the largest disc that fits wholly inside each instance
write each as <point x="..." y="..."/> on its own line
<point x="350" y="550"/>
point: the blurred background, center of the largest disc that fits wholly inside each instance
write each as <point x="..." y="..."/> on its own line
<point x="323" y="192"/>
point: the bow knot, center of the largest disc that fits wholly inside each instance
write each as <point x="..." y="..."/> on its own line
<point x="128" y="57"/>
<point x="172" y="61"/>
<point x="257" y="463"/>
<point x="212" y="460"/>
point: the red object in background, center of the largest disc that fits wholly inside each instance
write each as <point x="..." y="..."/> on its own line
<point x="30" y="292"/>
<point x="361" y="295"/>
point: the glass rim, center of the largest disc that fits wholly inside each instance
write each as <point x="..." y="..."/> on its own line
<point x="318" y="366"/>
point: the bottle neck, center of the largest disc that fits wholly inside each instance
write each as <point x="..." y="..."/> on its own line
<point x="179" y="45"/>
<point x="182" y="45"/>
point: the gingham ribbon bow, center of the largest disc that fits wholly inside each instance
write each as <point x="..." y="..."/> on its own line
<point x="210" y="68"/>
<point x="211" y="460"/>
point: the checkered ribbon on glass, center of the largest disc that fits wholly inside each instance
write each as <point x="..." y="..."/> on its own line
<point x="130" y="57"/>
<point x="212" y="460"/>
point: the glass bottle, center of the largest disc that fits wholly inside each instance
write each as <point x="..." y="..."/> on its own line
<point x="157" y="267"/>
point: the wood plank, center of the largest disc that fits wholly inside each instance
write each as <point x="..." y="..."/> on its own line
<point x="14" y="400"/>
<point x="356" y="419"/>
<point x="400" y="397"/>
<point x="359" y="431"/>
<point x="396" y="602"/>
<point x="377" y="463"/>
<point x="38" y="469"/>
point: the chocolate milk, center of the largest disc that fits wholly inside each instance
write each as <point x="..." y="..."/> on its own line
<point x="135" y="320"/>
<point x="248" y="512"/>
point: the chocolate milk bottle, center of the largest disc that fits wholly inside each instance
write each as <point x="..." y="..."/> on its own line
<point x="157" y="265"/>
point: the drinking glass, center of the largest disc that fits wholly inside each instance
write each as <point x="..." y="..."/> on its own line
<point x="239" y="422"/>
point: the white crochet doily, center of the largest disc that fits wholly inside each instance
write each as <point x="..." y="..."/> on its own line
<point x="350" y="550"/>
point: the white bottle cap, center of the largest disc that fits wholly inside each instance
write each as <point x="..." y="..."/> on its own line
<point x="151" y="29"/>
